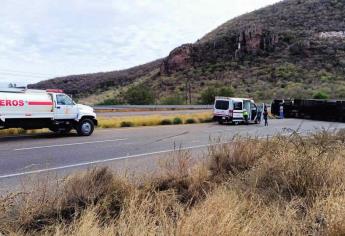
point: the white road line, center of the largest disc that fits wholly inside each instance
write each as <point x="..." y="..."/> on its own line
<point x="104" y="161"/>
<point x="69" y="144"/>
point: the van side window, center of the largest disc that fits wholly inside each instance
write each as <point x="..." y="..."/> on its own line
<point x="238" y="106"/>
<point x="62" y="99"/>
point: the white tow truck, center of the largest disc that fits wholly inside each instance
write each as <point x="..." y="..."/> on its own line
<point x="52" y="109"/>
<point x="231" y="110"/>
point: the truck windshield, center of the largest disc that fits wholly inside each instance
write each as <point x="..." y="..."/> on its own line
<point x="63" y="99"/>
<point x="237" y="106"/>
<point x="222" y="105"/>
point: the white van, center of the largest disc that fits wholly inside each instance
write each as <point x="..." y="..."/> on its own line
<point x="230" y="110"/>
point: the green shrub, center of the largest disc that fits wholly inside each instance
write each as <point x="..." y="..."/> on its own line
<point x="110" y="101"/>
<point x="190" y="121"/>
<point x="139" y="95"/>
<point x="209" y="94"/>
<point x="320" y="95"/>
<point x="166" y="122"/>
<point x="287" y="71"/>
<point x="177" y="121"/>
<point x="127" y="124"/>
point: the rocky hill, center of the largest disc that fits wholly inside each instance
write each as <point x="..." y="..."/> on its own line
<point x="294" y="48"/>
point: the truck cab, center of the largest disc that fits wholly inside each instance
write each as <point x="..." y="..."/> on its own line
<point x="231" y="110"/>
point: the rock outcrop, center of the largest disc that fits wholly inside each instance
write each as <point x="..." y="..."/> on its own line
<point x="178" y="59"/>
<point x="252" y="40"/>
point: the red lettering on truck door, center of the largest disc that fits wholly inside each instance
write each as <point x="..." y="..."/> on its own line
<point x="14" y="103"/>
<point x="2" y="102"/>
<point x="8" y="103"/>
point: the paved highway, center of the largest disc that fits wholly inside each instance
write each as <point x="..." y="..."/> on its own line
<point x="127" y="148"/>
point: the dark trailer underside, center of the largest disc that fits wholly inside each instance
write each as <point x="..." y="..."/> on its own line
<point x="325" y="110"/>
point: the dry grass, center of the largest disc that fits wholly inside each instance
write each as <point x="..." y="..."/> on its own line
<point x="282" y="186"/>
<point x="15" y="131"/>
<point x="152" y="120"/>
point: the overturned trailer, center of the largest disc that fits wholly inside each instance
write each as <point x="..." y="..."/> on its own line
<point x="315" y="109"/>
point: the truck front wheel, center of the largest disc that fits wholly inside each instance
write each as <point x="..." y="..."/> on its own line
<point x="85" y="127"/>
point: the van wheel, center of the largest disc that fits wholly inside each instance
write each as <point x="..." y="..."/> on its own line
<point x="85" y="127"/>
<point x="220" y="122"/>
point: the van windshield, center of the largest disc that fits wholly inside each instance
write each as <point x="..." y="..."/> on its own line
<point x="237" y="106"/>
<point x="222" y="105"/>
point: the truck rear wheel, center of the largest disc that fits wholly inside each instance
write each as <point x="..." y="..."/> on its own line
<point x="85" y="127"/>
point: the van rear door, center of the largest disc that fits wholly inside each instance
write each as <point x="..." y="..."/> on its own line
<point x="221" y="107"/>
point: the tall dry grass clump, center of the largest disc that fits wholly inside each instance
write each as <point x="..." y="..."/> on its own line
<point x="287" y="185"/>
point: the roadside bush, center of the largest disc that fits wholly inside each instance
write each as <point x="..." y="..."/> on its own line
<point x="166" y="122"/>
<point x="126" y="124"/>
<point x="139" y="95"/>
<point x="190" y="121"/>
<point x="209" y="94"/>
<point x="177" y="121"/>
<point x="232" y="159"/>
<point x="320" y="95"/>
<point x="110" y="101"/>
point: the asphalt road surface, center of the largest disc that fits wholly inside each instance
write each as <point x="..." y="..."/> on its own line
<point x="124" y="149"/>
<point x="148" y="113"/>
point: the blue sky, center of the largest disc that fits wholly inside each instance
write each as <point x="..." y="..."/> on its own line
<point x="41" y="39"/>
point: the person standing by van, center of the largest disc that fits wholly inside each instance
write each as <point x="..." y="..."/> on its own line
<point x="265" y="115"/>
<point x="245" y="116"/>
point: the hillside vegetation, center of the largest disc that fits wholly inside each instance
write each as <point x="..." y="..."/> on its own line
<point x="281" y="186"/>
<point x="295" y="48"/>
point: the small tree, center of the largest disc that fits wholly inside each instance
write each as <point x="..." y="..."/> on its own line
<point x="226" y="92"/>
<point x="139" y="95"/>
<point x="208" y="95"/>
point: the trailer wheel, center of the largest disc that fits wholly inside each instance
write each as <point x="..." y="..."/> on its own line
<point x="85" y="127"/>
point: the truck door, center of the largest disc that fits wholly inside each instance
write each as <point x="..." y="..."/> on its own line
<point x="65" y="108"/>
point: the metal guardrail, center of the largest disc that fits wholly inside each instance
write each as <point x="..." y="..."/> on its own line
<point x="152" y="107"/>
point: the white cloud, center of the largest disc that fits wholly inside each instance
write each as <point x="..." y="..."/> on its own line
<point x="61" y="37"/>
